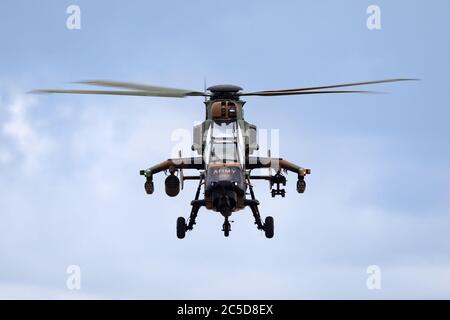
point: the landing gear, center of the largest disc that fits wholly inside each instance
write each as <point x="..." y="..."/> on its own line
<point x="226" y="227"/>
<point x="181" y="228"/>
<point x="267" y="226"/>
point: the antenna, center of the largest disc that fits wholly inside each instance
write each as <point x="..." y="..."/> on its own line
<point x="204" y="86"/>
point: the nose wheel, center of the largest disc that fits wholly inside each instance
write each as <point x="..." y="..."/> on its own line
<point x="226" y="228"/>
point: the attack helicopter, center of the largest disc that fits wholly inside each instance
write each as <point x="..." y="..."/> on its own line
<point x="224" y="143"/>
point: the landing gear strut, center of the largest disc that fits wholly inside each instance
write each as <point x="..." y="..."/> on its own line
<point x="268" y="225"/>
<point x="182" y="226"/>
<point x="226" y="227"/>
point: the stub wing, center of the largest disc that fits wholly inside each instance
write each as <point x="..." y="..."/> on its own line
<point x="277" y="180"/>
<point x="276" y="164"/>
<point x="174" y="164"/>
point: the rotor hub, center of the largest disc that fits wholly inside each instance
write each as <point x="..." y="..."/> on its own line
<point x="224" y="91"/>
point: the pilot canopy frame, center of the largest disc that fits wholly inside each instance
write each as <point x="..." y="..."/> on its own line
<point x="225" y="144"/>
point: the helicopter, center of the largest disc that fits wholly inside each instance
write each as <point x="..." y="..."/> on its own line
<point x="224" y="144"/>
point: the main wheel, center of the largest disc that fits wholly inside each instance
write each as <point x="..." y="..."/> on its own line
<point x="181" y="228"/>
<point x="268" y="227"/>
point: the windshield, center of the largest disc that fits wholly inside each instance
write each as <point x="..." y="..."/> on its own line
<point x="223" y="145"/>
<point x="224" y="152"/>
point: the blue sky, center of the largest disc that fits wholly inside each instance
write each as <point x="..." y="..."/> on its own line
<point x="70" y="192"/>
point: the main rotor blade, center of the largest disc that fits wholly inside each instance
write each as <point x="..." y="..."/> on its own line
<point x="110" y="92"/>
<point x="171" y="92"/>
<point x="288" y="93"/>
<point x="337" y="85"/>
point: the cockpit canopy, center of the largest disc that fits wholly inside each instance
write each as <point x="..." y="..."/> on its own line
<point x="225" y="144"/>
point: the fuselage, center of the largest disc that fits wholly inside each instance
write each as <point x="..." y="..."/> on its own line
<point x="225" y="140"/>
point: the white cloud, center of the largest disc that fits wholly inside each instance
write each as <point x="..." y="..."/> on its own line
<point x="24" y="139"/>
